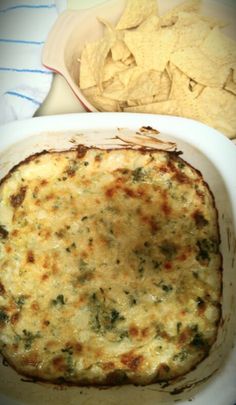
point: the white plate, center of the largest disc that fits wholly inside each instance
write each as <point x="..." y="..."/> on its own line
<point x="211" y="153"/>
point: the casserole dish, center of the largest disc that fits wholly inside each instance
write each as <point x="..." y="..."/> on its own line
<point x="208" y="151"/>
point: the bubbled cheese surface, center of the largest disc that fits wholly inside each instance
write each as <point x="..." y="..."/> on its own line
<point x="110" y="270"/>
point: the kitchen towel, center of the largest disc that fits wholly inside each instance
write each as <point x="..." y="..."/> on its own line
<point x="24" y="82"/>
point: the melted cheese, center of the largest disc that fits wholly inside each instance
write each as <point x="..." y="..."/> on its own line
<point x="109" y="267"/>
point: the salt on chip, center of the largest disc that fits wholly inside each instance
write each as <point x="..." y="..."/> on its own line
<point x="169" y="107"/>
<point x="136" y="12"/>
<point x="142" y="45"/>
<point x="219" y="48"/>
<point x="199" y="67"/>
<point x="171" y="16"/>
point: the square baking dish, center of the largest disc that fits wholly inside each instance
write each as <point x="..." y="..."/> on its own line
<point x="213" y="380"/>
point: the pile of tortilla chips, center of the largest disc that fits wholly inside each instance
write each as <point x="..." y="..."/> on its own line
<point x="176" y="64"/>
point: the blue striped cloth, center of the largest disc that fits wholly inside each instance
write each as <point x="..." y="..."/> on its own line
<point x="24" y="82"/>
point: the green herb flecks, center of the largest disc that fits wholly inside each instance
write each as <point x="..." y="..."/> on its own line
<point x="68" y="352"/>
<point x="181" y="356"/>
<point x="206" y="247"/>
<point x="199" y="342"/>
<point x="58" y="301"/>
<point x="3" y="232"/>
<point x="168" y="249"/>
<point x="4" y="318"/>
<point x="20" y="301"/>
<point x="28" y="338"/>
<point x="138" y="174"/>
<point x="103" y="317"/>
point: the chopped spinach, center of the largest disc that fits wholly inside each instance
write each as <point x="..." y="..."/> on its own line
<point x="168" y="249"/>
<point x="138" y="174"/>
<point x="29" y="337"/>
<point x="103" y="317"/>
<point x="59" y="300"/>
<point x="199" y="341"/>
<point x="167" y="287"/>
<point x="3" y="316"/>
<point x="20" y="301"/>
<point x="205" y="248"/>
<point x="3" y="232"/>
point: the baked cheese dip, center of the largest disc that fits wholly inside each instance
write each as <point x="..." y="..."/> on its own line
<point x="110" y="270"/>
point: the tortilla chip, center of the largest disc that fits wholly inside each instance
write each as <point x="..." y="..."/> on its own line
<point x="116" y="91"/>
<point x="120" y="51"/>
<point x="169" y="107"/>
<point x="130" y="61"/>
<point x="92" y="91"/>
<point x="217" y="108"/>
<point x="219" y="48"/>
<point x="111" y="68"/>
<point x="136" y="12"/>
<point x="230" y="85"/>
<point x="183" y="88"/>
<point x="150" y="24"/>
<point x="104" y="104"/>
<point x="186" y="18"/>
<point x="145" y="100"/>
<point x="93" y="59"/>
<point x="171" y="16"/>
<point x="199" y="67"/>
<point x="234" y="73"/>
<point x="129" y="75"/>
<point x="189" y="35"/>
<point x="146" y="85"/>
<point x="143" y="44"/>
<point x="87" y="78"/>
<point x="164" y="88"/>
<point x="137" y="84"/>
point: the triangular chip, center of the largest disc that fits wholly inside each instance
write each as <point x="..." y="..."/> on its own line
<point x="143" y="44"/>
<point x="164" y="88"/>
<point x="199" y="67"/>
<point x="136" y="12"/>
<point x="230" y="85"/>
<point x="87" y="78"/>
<point x="150" y="24"/>
<point x="104" y="104"/>
<point x="190" y="35"/>
<point x="96" y="54"/>
<point x="217" y="108"/>
<point x="182" y="87"/>
<point x="169" y="107"/>
<point x="111" y="68"/>
<point x="139" y="84"/>
<point x="219" y="48"/>
<point x="171" y="16"/>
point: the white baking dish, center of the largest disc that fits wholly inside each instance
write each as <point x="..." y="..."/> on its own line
<point x="213" y="381"/>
